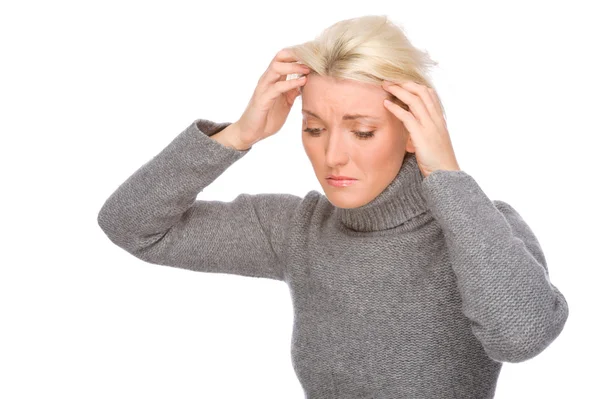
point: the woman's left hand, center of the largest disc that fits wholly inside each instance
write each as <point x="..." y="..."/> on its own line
<point x="425" y="123"/>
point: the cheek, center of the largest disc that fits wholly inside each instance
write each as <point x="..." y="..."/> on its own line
<point x="388" y="153"/>
<point x="310" y="148"/>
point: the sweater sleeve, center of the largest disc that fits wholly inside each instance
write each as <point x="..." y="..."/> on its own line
<point x="502" y="275"/>
<point x="154" y="214"/>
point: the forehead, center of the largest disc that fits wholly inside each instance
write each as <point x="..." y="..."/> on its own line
<point x="332" y="98"/>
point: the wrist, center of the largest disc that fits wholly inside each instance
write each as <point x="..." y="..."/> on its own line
<point x="231" y="137"/>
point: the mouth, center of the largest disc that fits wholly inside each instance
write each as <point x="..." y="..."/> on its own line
<point x="341" y="182"/>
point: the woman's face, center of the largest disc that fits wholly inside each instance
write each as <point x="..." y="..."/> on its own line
<point x="334" y="147"/>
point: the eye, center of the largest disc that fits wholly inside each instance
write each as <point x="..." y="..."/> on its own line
<point x="364" y="135"/>
<point x="314" y="132"/>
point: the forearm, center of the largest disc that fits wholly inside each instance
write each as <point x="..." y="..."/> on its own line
<point x="500" y="267"/>
<point x="155" y="196"/>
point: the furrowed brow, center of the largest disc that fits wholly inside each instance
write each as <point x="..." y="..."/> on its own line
<point x="347" y="117"/>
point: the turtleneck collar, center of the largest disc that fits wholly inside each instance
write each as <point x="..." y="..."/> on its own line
<point x="400" y="201"/>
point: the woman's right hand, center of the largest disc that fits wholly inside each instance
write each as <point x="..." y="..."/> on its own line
<point x="272" y="99"/>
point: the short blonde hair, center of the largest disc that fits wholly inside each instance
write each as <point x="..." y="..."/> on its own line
<point x="367" y="49"/>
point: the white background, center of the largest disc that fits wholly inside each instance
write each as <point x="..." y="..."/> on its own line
<point x="92" y="90"/>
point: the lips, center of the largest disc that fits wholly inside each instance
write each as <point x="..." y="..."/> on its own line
<point x="340" y="178"/>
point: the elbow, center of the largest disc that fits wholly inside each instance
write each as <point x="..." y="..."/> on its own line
<point x="518" y="351"/>
<point x="532" y="338"/>
<point x="108" y="223"/>
<point x="113" y="228"/>
<point x="145" y="247"/>
<point x="104" y="221"/>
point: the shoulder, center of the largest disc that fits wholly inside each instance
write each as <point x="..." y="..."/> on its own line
<point x="284" y="205"/>
<point x="291" y="208"/>
<point x="313" y="203"/>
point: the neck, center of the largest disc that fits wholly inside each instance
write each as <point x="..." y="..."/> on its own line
<point x="400" y="201"/>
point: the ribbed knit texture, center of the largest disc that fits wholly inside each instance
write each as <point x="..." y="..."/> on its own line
<point x="421" y="293"/>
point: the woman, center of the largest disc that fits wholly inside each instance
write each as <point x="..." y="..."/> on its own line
<point x="406" y="280"/>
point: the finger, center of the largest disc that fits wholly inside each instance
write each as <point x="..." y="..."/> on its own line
<point x="285" y="68"/>
<point x="438" y="104"/>
<point x="406" y="117"/>
<point x="423" y="92"/>
<point x="275" y="90"/>
<point x="291" y="95"/>
<point x="279" y="71"/>
<point x="285" y="55"/>
<point x="414" y="102"/>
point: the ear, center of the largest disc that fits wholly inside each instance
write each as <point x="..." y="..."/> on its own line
<point x="409" y="145"/>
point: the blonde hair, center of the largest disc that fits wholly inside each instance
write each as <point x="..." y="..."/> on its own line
<point x="367" y="49"/>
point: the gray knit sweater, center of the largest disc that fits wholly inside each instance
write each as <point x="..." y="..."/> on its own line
<point x="421" y="293"/>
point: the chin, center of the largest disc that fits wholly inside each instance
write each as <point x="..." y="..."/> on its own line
<point x="345" y="199"/>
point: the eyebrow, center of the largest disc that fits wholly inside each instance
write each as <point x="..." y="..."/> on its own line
<point x="347" y="117"/>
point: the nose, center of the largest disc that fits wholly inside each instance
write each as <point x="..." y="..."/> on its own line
<point x="336" y="152"/>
